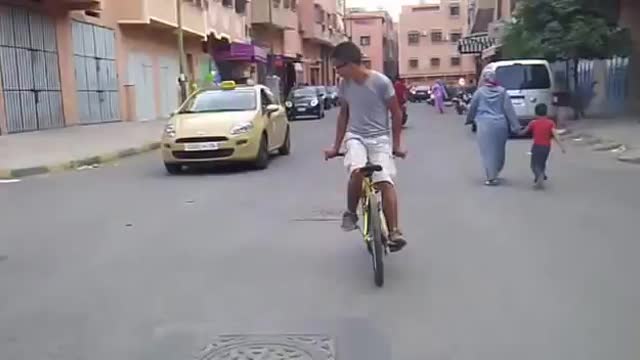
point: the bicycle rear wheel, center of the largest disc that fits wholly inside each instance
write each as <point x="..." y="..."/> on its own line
<point x="376" y="242"/>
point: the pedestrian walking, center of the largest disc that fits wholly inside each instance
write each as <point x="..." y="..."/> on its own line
<point x="543" y="130"/>
<point x="439" y="93"/>
<point x="493" y="113"/>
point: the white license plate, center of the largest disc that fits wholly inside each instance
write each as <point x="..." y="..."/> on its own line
<point x="302" y="109"/>
<point x="201" y="146"/>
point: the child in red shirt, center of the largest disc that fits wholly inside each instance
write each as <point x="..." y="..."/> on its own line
<point x="543" y="130"/>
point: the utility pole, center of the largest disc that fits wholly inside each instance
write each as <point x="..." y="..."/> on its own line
<point x="182" y="79"/>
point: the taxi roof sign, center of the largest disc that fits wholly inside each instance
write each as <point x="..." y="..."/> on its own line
<point x="228" y="85"/>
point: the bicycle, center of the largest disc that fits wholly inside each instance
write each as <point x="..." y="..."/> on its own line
<point x="374" y="226"/>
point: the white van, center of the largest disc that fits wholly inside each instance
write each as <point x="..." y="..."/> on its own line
<point x="529" y="83"/>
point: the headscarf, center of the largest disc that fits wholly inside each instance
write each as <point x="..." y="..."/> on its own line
<point x="489" y="77"/>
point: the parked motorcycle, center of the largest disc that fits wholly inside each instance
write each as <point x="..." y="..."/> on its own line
<point x="461" y="103"/>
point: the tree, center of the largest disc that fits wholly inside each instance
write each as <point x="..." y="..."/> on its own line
<point x="565" y="30"/>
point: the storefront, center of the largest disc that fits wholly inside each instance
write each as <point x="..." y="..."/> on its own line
<point x="240" y="62"/>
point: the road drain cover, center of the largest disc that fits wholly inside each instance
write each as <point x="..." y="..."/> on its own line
<point x="270" y="347"/>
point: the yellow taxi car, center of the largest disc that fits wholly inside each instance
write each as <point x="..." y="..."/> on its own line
<point x="226" y="124"/>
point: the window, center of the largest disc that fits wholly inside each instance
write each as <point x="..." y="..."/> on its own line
<point x="319" y="14"/>
<point x="294" y="5"/>
<point x="455" y="61"/>
<point x="286" y="4"/>
<point x="454" y="10"/>
<point x="413" y="63"/>
<point x="241" y="6"/>
<point x="455" y="37"/>
<point x="436" y="36"/>
<point x="435" y="62"/>
<point x="227" y="3"/>
<point x="365" y="40"/>
<point x="266" y="98"/>
<point x="366" y="63"/>
<point x="414" y="38"/>
<point x="523" y="77"/>
<point x="275" y="4"/>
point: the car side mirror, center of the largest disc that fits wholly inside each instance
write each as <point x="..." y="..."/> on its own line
<point x="272" y="108"/>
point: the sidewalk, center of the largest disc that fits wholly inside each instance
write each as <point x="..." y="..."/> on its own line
<point x="621" y="136"/>
<point x="67" y="148"/>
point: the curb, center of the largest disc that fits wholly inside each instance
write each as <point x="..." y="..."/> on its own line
<point x="73" y="164"/>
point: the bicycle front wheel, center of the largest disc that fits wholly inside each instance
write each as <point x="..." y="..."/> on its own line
<point x="375" y="236"/>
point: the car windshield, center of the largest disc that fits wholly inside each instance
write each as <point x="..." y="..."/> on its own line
<point x="305" y="92"/>
<point x="220" y="100"/>
<point x="523" y="77"/>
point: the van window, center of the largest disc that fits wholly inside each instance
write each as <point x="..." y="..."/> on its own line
<point x="523" y="77"/>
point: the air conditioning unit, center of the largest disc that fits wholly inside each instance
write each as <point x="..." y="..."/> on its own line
<point x="424" y="33"/>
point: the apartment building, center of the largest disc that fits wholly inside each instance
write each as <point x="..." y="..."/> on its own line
<point x="428" y="38"/>
<point x="374" y="32"/>
<point x="322" y="27"/>
<point x="68" y="62"/>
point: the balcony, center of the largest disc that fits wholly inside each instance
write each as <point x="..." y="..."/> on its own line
<point x="93" y="5"/>
<point x="162" y="14"/>
<point x="263" y="13"/>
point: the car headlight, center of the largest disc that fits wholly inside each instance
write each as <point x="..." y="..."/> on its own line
<point x="242" y="128"/>
<point x="170" y="130"/>
<point x="288" y="104"/>
<point x="314" y="102"/>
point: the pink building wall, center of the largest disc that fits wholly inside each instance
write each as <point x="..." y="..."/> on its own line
<point x="425" y="19"/>
<point x="371" y="25"/>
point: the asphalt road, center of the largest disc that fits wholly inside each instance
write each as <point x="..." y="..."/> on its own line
<point x="125" y="262"/>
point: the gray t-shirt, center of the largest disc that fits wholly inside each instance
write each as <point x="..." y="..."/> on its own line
<point x="368" y="112"/>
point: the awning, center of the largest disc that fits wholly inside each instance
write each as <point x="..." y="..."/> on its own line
<point x="475" y="44"/>
<point x="241" y="52"/>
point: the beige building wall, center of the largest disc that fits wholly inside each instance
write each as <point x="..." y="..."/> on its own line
<point x="427" y="38"/>
<point x="135" y="30"/>
<point x="368" y="30"/>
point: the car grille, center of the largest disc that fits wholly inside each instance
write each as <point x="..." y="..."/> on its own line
<point x="201" y="139"/>
<point x="207" y="154"/>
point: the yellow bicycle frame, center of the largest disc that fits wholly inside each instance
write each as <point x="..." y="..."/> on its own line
<point x="369" y="190"/>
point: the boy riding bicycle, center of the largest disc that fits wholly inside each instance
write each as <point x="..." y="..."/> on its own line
<point x="367" y="97"/>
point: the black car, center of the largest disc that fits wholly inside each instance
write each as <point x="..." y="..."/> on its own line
<point x="324" y="95"/>
<point x="305" y="102"/>
<point x="333" y="95"/>
<point x="419" y="94"/>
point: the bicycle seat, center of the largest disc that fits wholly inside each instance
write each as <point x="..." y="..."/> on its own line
<point x="369" y="169"/>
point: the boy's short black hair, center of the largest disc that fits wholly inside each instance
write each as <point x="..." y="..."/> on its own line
<point x="542" y="110"/>
<point x="348" y="53"/>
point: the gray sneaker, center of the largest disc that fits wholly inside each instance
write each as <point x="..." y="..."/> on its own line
<point x="396" y="241"/>
<point x="349" y="221"/>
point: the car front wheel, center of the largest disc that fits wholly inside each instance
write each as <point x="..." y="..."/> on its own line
<point x="173" y="169"/>
<point x="262" y="159"/>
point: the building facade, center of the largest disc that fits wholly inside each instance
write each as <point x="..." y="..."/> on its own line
<point x="428" y="36"/>
<point x="322" y="28"/>
<point x="73" y="62"/>
<point x="375" y="34"/>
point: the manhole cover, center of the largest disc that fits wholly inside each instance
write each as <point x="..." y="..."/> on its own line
<point x="270" y="347"/>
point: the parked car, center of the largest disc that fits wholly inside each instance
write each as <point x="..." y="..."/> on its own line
<point x="228" y="124"/>
<point x="333" y="95"/>
<point x="529" y="83"/>
<point x="324" y="95"/>
<point x="305" y="102"/>
<point x="420" y="93"/>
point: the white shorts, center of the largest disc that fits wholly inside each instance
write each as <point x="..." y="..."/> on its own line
<point x="376" y="150"/>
